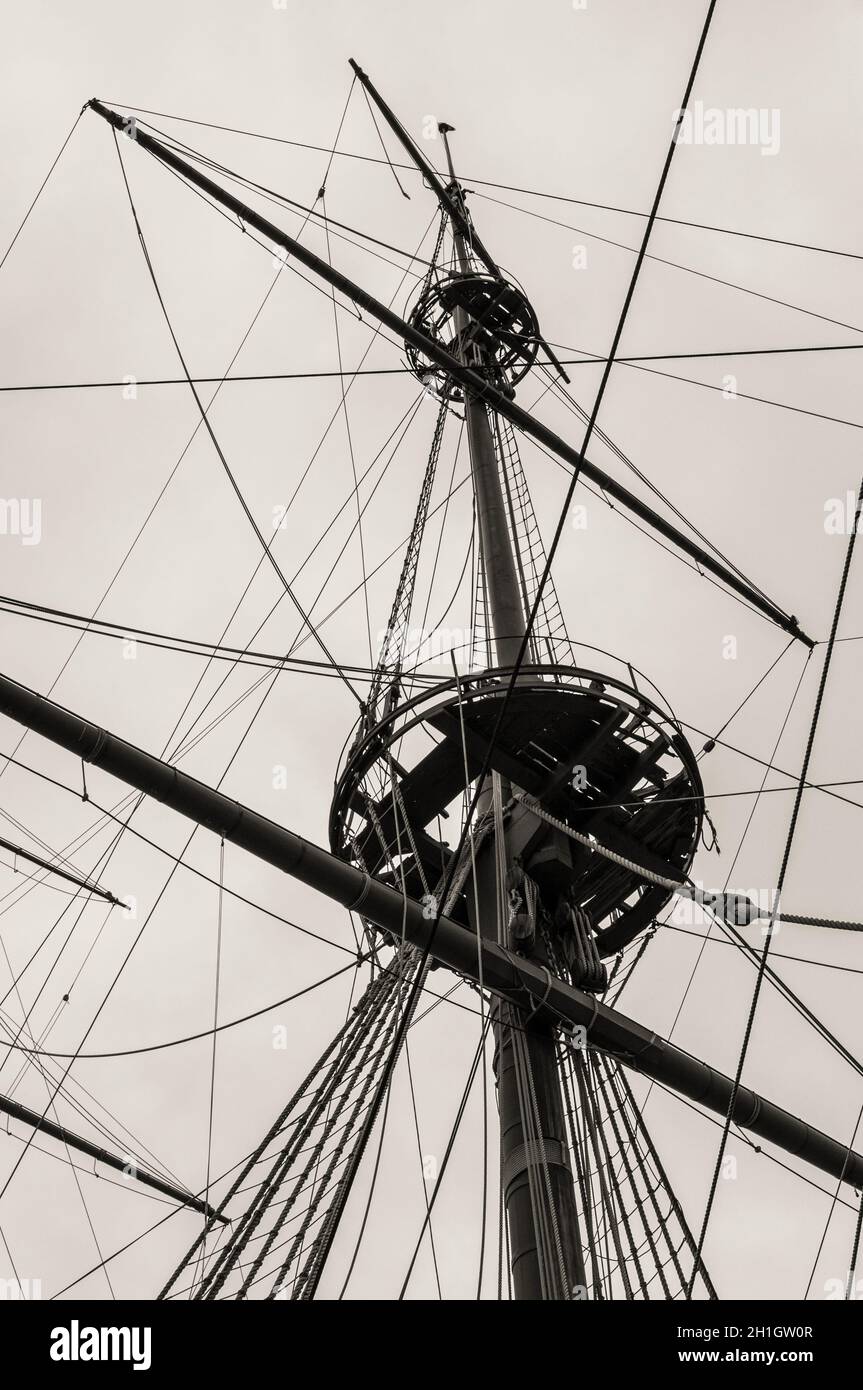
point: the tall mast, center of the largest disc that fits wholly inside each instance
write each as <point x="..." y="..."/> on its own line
<point x="594" y="857"/>
<point x="533" y="1145"/>
<point x="498" y="559"/>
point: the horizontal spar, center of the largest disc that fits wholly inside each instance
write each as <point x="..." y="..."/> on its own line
<point x="507" y="975"/>
<point x="472" y="382"/>
<point x="85" y="885"/>
<point x="127" y="1165"/>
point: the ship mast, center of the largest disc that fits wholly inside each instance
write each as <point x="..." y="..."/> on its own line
<point x="498" y="558"/>
<point x="585" y="867"/>
<point x="538" y="1190"/>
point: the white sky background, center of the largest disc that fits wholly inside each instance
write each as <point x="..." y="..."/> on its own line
<point x="545" y="97"/>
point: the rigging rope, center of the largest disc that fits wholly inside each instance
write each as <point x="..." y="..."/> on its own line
<point x="445" y="1160"/>
<point x="588" y="434"/>
<point x="350" y="439"/>
<point x="509" y="188"/>
<point x="41" y="188"/>
<point x="675" y="265"/>
<point x="266" y="545"/>
<point x="837" y="613"/>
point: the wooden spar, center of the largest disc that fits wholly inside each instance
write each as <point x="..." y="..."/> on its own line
<point x="126" y="1165"/>
<point x="53" y="868"/>
<point x="472" y="381"/>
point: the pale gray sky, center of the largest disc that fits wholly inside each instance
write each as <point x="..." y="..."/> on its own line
<point x="548" y="97"/>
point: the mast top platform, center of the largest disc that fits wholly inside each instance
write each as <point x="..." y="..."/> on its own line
<point x="590" y="750"/>
<point x="483" y="320"/>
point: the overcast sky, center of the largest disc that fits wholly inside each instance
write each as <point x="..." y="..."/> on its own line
<point x="553" y="98"/>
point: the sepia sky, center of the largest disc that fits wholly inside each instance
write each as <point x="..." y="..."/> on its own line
<point x="554" y="98"/>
